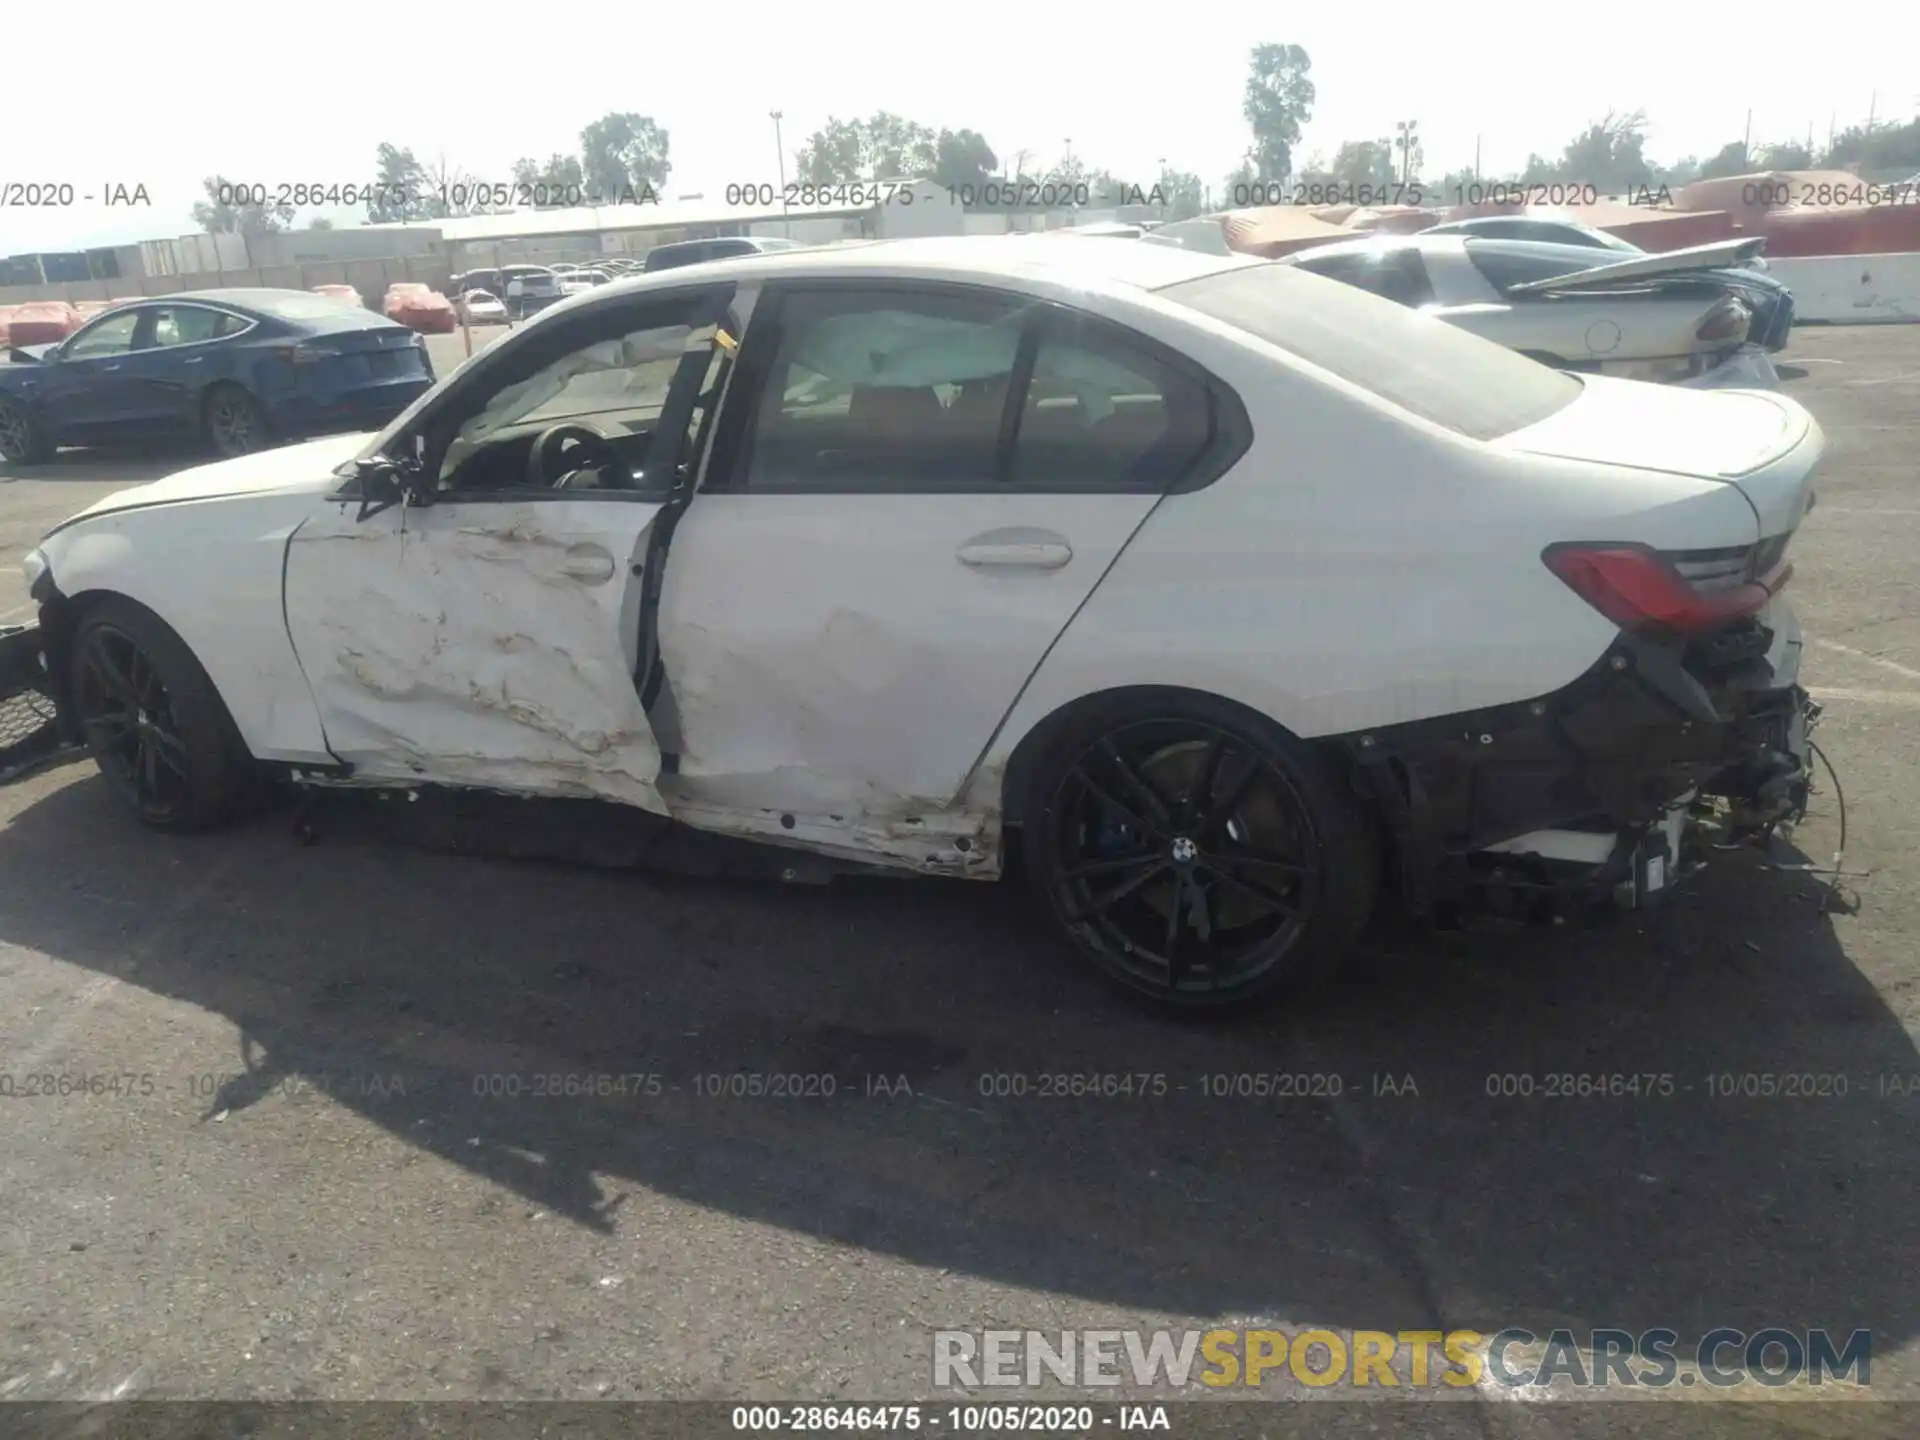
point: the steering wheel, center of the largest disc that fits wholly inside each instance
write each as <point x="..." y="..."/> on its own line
<point x="572" y="455"/>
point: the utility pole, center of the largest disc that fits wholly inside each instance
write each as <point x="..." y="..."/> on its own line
<point x="1746" y="142"/>
<point x="780" y="154"/>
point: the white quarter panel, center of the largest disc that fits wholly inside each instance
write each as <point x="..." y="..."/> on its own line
<point x="211" y="569"/>
<point x="1360" y="567"/>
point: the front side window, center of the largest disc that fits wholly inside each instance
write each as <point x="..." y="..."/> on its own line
<point x="109" y="335"/>
<point x="885" y="389"/>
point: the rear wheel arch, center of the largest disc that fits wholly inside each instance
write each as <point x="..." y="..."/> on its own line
<point x="1034" y="746"/>
<point x="1337" y="835"/>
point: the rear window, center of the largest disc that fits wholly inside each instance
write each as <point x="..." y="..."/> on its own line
<point x="1506" y="266"/>
<point x="306" y="307"/>
<point x="1420" y="363"/>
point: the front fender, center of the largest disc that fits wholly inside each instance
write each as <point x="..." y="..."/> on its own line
<point x="213" y="570"/>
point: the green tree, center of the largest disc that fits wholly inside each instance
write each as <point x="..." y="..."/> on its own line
<point x="402" y="190"/>
<point x="963" y="158"/>
<point x="1609" y="154"/>
<point x="1181" y="193"/>
<point x="554" y="183"/>
<point x="883" y="147"/>
<point x="1884" y="147"/>
<point x="222" y="217"/>
<point x="1363" y="162"/>
<point x="1277" y="101"/>
<point x="1787" y="155"/>
<point x="623" y="156"/>
<point x="1730" y="159"/>
<point x="1683" y="171"/>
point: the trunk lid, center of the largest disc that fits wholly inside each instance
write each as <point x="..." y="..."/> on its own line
<point x="1720" y="254"/>
<point x="363" y="355"/>
<point x="1761" y="442"/>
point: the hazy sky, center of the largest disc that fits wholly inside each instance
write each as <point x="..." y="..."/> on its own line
<point x="290" y="93"/>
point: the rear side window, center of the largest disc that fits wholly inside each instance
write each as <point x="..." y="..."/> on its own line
<point x="1397" y="274"/>
<point x="1102" y="414"/>
<point x="1422" y="364"/>
<point x="1504" y="267"/>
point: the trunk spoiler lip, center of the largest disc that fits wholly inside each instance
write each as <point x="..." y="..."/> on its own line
<point x="1720" y="255"/>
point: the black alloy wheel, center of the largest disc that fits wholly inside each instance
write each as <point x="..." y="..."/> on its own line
<point x="153" y="720"/>
<point x="127" y="717"/>
<point x="235" y="423"/>
<point x="1197" y="860"/>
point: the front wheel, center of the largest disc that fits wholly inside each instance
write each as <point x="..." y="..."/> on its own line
<point x="154" y="723"/>
<point x="1196" y="854"/>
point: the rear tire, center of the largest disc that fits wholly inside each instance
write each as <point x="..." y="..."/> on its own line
<point x="1196" y="854"/>
<point x="23" y="439"/>
<point x="235" y="423"/>
<point x="154" y="722"/>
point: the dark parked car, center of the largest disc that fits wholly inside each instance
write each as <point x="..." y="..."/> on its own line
<point x="243" y="368"/>
<point x="693" y="252"/>
<point x="1544" y="230"/>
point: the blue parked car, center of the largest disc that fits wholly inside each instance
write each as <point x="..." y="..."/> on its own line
<point x="244" y="369"/>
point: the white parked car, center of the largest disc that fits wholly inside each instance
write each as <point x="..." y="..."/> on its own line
<point x="483" y="308"/>
<point x="1687" y="316"/>
<point x="1225" y="584"/>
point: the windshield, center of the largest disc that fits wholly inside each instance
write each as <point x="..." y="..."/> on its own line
<point x="1422" y="364"/>
<point x="620" y="382"/>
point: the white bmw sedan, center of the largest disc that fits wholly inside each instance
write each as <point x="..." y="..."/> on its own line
<point x="1240" y="594"/>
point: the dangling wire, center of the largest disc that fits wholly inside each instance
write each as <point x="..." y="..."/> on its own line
<point x="1840" y="800"/>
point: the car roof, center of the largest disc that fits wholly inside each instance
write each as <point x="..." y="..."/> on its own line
<point x="248" y="300"/>
<point x="1074" y="260"/>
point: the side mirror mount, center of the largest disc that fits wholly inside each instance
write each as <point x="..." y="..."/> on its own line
<point x="386" y="481"/>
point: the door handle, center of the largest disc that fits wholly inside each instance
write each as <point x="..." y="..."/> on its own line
<point x="588" y="564"/>
<point x="105" y="368"/>
<point x="1026" y="554"/>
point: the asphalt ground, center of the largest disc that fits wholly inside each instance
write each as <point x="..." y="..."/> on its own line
<point x="350" y="1158"/>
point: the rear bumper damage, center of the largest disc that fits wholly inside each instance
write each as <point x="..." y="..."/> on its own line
<point x="1750" y="367"/>
<point x="1582" y="799"/>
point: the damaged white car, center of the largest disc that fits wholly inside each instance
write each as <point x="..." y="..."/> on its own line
<point x="1241" y="594"/>
<point x="1700" y="317"/>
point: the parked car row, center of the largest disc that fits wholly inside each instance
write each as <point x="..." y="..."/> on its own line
<point x="1242" y="596"/>
<point x="1581" y="300"/>
<point x="242" y="369"/>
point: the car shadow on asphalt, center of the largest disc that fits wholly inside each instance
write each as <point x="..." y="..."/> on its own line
<point x="867" y="1063"/>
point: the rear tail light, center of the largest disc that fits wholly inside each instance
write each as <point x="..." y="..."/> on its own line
<point x="1729" y="319"/>
<point x="1637" y="588"/>
<point x="306" y="354"/>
